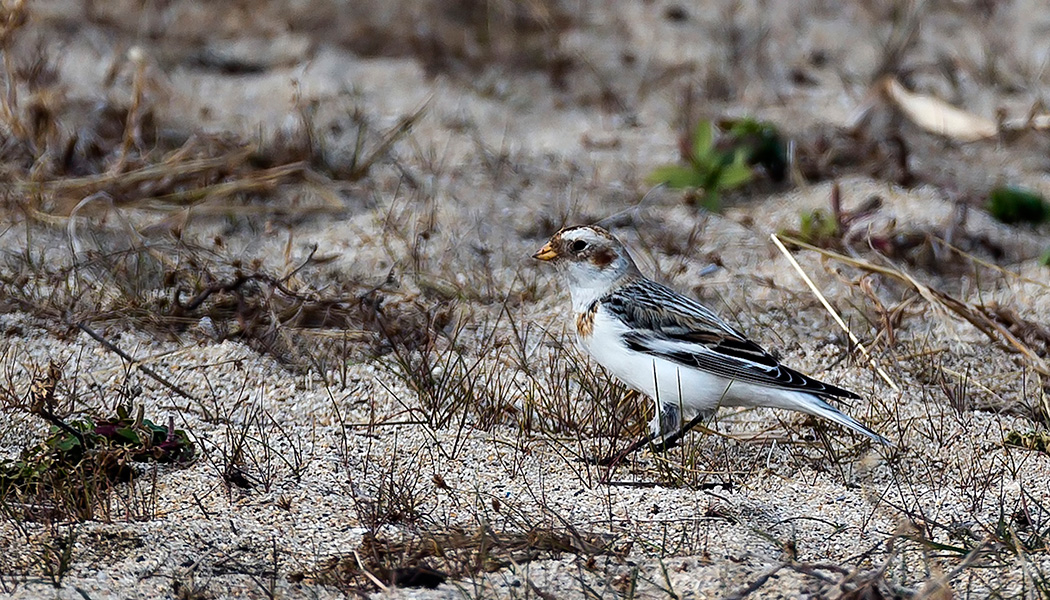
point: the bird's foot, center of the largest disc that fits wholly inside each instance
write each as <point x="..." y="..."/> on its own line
<point x="664" y="444"/>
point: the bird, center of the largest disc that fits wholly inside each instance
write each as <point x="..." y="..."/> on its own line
<point x="671" y="348"/>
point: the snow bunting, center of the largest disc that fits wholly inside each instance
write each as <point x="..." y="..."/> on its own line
<point x="671" y="348"/>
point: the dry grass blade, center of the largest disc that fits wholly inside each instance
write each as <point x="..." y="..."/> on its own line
<point x="261" y="181"/>
<point x="940" y="587"/>
<point x="203" y="200"/>
<point x="198" y="175"/>
<point x="834" y="314"/>
<point x="83" y="186"/>
<point x="362" y="165"/>
<point x="147" y="186"/>
<point x="1028" y="123"/>
<point x="984" y="317"/>
<point x="1017" y="328"/>
<point x="370" y="576"/>
<point x="133" y="361"/>
<point x="13" y="16"/>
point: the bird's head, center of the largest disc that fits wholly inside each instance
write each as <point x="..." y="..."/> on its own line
<point x="589" y="255"/>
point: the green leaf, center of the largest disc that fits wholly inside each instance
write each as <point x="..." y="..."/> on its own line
<point x="736" y="174"/>
<point x="1032" y="440"/>
<point x="153" y="427"/>
<point x="817" y="227"/>
<point x="67" y="443"/>
<point x="1045" y="258"/>
<point x="129" y="435"/>
<point x="83" y="425"/>
<point x="676" y="177"/>
<point x="704" y="142"/>
<point x="1016" y="205"/>
<point x="711" y="200"/>
<point x="746" y="126"/>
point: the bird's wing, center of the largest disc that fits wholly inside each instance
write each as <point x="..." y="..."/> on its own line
<point x="661" y="322"/>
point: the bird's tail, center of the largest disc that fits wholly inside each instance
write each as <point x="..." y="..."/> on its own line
<point x="816" y="406"/>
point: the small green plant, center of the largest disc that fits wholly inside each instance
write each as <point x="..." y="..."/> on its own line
<point x="83" y="457"/>
<point x="826" y="228"/>
<point x="1011" y="205"/>
<point x="1045" y="258"/>
<point x="707" y="168"/>
<point x="818" y="228"/>
<point x="1032" y="440"/>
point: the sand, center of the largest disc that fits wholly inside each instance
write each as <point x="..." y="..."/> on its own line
<point x="503" y="155"/>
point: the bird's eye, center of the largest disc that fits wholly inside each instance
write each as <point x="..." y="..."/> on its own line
<point x="578" y="245"/>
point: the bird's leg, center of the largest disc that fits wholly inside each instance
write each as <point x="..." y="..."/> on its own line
<point x="672" y="440"/>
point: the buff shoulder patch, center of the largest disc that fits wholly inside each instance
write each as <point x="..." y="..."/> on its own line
<point x="585" y="320"/>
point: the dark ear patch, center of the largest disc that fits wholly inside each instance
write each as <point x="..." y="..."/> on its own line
<point x="603" y="257"/>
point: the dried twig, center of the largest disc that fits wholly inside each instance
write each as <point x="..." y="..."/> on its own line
<point x="980" y="317"/>
<point x="757" y="583"/>
<point x="133" y="361"/>
<point x="368" y="574"/>
<point x="834" y="314"/>
<point x="988" y="265"/>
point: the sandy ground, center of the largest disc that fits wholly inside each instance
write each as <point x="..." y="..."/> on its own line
<point x="504" y="155"/>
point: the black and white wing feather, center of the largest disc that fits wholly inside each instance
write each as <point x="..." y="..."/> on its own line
<point x="661" y="322"/>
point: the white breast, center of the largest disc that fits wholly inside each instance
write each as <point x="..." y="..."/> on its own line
<point x="664" y="381"/>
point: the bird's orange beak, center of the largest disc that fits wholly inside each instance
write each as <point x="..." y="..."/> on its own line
<point x="547" y="252"/>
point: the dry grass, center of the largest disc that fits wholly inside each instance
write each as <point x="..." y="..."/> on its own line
<point x="117" y="223"/>
<point x="431" y="559"/>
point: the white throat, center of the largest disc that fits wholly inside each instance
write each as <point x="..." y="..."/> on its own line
<point x="588" y="283"/>
<point x="585" y="295"/>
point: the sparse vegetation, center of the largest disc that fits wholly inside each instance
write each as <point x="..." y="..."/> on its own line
<point x="762" y="143"/>
<point x="818" y="228"/>
<point x="708" y="170"/>
<point x="428" y="560"/>
<point x="829" y="229"/>
<point x="1033" y="440"/>
<point x="81" y="460"/>
<point x="268" y="327"/>
<point x="719" y="159"/>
